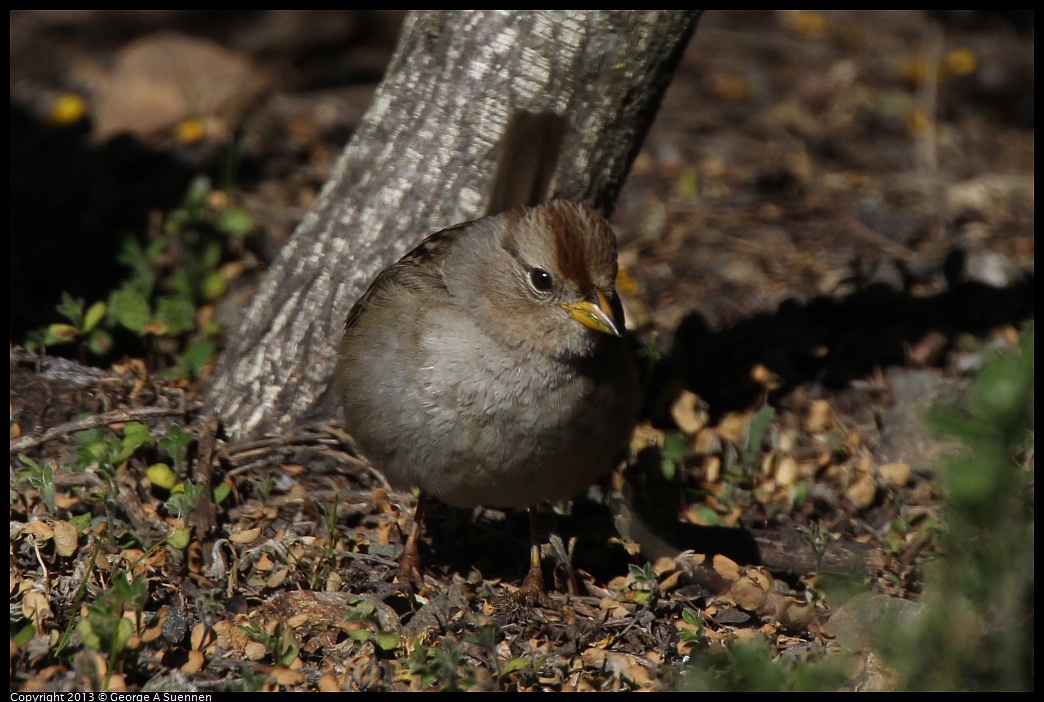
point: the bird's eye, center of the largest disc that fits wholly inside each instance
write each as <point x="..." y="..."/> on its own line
<point x="541" y="280"/>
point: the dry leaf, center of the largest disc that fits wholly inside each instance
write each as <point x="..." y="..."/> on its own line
<point x="382" y="503"/>
<point x="645" y="435"/>
<point x="764" y="377"/>
<point x="155" y="625"/>
<point x="711" y="468"/>
<point x="895" y="473"/>
<point x="246" y="536"/>
<point x="36" y="607"/>
<point x="328" y="683"/>
<point x="229" y="635"/>
<point x="286" y="676"/>
<point x="203" y="637"/>
<point x="65" y="538"/>
<point x="195" y="662"/>
<point x="254" y="651"/>
<point x="664" y="564"/>
<point x="40" y="529"/>
<point x="726" y="567"/>
<point x="862" y="491"/>
<point x="734" y="427"/>
<point x="687" y="414"/>
<point x="277" y="578"/>
<point x="818" y="418"/>
<point x="787" y="471"/>
<point x="747" y="594"/>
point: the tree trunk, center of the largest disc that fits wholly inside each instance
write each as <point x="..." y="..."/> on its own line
<point x="424" y="158"/>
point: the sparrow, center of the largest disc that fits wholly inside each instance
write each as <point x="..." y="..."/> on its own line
<point x="490" y="365"/>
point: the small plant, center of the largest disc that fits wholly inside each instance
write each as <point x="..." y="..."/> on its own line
<point x="184" y="500"/>
<point x="105" y="628"/>
<point x="176" y="444"/>
<point x="895" y="541"/>
<point x="441" y="667"/>
<point x="819" y="539"/>
<point x="976" y="629"/>
<point x="647" y="586"/>
<point x="41" y="476"/>
<point x="281" y="644"/>
<point x="264" y="489"/>
<point x="80" y="326"/>
<point x="749" y="667"/>
<point x="675" y="449"/>
<point x="176" y="271"/>
<point x="366" y="611"/>
<point x="103" y="452"/>
<point x="695" y="633"/>
<point x="328" y="564"/>
<point x="562" y="554"/>
<point x="191" y="362"/>
<point x="750" y="453"/>
<point x="648" y="356"/>
<point x="249" y="681"/>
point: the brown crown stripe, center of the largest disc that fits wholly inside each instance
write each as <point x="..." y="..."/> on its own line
<point x="568" y="223"/>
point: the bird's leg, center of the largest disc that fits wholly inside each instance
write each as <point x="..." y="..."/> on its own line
<point x="533" y="584"/>
<point x="409" y="562"/>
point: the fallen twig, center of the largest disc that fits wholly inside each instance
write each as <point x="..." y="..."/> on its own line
<point x="28" y="441"/>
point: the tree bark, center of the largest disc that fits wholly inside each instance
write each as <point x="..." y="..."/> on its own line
<point x="424" y="158"/>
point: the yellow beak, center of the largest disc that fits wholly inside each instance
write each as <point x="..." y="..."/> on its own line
<point x="595" y="312"/>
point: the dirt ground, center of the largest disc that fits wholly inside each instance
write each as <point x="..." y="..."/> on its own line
<point x="829" y="225"/>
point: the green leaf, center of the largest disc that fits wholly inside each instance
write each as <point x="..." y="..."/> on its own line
<point x="24" y="636"/>
<point x="758" y="426"/>
<point x="140" y="260"/>
<point x="221" y="492"/>
<point x="161" y="475"/>
<point x="799" y="493"/>
<point x="176" y="222"/>
<point x="215" y="284"/>
<point x="81" y="521"/>
<point x="61" y="333"/>
<point x="515" y="664"/>
<point x="642" y="574"/>
<point x="387" y="640"/>
<point x="135" y="434"/>
<point x="95" y="314"/>
<point x="176" y="443"/>
<point x="71" y="309"/>
<point x="236" y="221"/>
<point x="176" y="438"/>
<point x="198" y="190"/>
<point x="210" y="258"/>
<point x="124" y="630"/>
<point x="708" y="516"/>
<point x="363" y="609"/>
<point x="99" y="342"/>
<point x="179" y="538"/>
<point x="360" y="635"/>
<point x="129" y="308"/>
<point x="88" y="635"/>
<point x="675" y="446"/>
<point x="181" y="283"/>
<point x="1002" y="389"/>
<point x="88" y="437"/>
<point x="196" y="357"/>
<point x="177" y="314"/>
